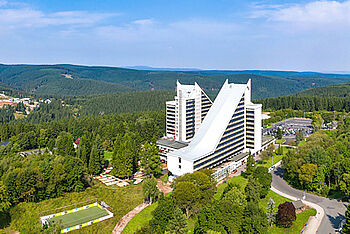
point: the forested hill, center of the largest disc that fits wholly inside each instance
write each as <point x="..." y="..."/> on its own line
<point x="339" y="90"/>
<point x="330" y="98"/>
<point x="86" y="80"/>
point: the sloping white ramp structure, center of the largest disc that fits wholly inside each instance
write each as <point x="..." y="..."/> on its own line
<point x="231" y="127"/>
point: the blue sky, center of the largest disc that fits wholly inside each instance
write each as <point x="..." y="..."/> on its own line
<point x="217" y="34"/>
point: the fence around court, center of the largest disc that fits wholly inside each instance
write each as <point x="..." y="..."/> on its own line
<point x="68" y="207"/>
<point x="78" y="222"/>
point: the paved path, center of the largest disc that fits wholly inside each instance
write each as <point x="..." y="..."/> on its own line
<point x="125" y="220"/>
<point x="334" y="209"/>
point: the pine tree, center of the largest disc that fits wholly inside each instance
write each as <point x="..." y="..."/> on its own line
<point x="84" y="148"/>
<point x="4" y="198"/>
<point x="346" y="227"/>
<point x="64" y="144"/>
<point x="178" y="223"/>
<point x="150" y="159"/>
<point x="271" y="216"/>
<point x="124" y="157"/>
<point x="250" y="165"/>
<point x="94" y="162"/>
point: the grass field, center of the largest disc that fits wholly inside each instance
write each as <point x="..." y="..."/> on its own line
<point x="276" y="158"/>
<point x="280" y="141"/>
<point x="140" y="220"/>
<point x="25" y="216"/>
<point x="108" y="155"/>
<point x="80" y="217"/>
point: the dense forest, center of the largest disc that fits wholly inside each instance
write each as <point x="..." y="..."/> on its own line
<point x="63" y="107"/>
<point x="84" y="80"/>
<point x="321" y="165"/>
<point x="339" y="90"/>
<point x="307" y="103"/>
<point x="329" y="98"/>
<point x="124" y="102"/>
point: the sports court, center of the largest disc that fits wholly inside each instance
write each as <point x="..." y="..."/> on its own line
<point x="80" y="217"/>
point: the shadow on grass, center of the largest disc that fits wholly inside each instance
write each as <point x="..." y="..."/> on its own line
<point x="5" y="220"/>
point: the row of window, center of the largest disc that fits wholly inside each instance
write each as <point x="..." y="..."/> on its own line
<point x="217" y="158"/>
<point x="233" y="139"/>
<point x="232" y="132"/>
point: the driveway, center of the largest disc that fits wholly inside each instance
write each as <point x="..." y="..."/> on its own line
<point x="334" y="209"/>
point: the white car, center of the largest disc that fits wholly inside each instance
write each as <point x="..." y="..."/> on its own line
<point x="271" y="168"/>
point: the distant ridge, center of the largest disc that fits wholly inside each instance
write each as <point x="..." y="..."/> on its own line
<point x="67" y="79"/>
<point x="147" y="68"/>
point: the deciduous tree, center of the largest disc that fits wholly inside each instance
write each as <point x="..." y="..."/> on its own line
<point x="187" y="197"/>
<point x="286" y="214"/>
<point x="264" y="178"/>
<point x="150" y="189"/>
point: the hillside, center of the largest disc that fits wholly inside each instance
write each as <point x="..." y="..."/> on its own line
<point x="124" y="102"/>
<point x="330" y="98"/>
<point x="339" y="90"/>
<point x="86" y="80"/>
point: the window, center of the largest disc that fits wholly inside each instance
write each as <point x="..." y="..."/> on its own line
<point x="179" y="166"/>
<point x="179" y="160"/>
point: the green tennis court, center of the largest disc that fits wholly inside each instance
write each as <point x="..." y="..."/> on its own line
<point x="80" y="217"/>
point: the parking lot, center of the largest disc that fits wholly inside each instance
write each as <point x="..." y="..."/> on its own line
<point x="290" y="127"/>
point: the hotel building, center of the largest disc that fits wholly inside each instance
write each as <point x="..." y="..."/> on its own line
<point x="228" y="132"/>
<point x="185" y="114"/>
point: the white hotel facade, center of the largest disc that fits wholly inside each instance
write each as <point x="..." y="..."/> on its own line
<point x="185" y="114"/>
<point x="223" y="131"/>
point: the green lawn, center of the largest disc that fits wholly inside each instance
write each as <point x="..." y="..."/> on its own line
<point x="280" y="141"/>
<point x="276" y="158"/>
<point x="108" y="155"/>
<point x="25" y="216"/>
<point x="298" y="224"/>
<point x="140" y="220"/>
<point x="80" y="217"/>
<point x="278" y="199"/>
<point x="271" y="161"/>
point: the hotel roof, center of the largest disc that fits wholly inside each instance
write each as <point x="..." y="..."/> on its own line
<point x="214" y="125"/>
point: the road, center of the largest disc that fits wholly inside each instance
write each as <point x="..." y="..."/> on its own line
<point x="334" y="209"/>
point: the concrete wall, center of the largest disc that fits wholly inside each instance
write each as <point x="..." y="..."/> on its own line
<point x="173" y="165"/>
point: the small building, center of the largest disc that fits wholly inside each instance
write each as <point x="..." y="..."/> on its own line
<point x="166" y="145"/>
<point x="299" y="206"/>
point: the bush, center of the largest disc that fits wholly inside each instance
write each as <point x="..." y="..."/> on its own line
<point x="286" y="214"/>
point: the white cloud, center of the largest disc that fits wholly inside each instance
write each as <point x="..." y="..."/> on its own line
<point x="26" y="17"/>
<point x="3" y="3"/>
<point x="316" y="13"/>
<point x="143" y="22"/>
<point x="151" y="31"/>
